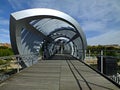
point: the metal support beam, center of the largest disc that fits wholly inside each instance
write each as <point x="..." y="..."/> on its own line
<point x="35" y="31"/>
<point x="73" y="38"/>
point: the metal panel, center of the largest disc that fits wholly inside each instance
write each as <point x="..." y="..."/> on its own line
<point x="29" y="29"/>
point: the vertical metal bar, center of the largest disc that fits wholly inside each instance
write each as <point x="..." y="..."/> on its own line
<point x="101" y="61"/>
<point x="18" y="65"/>
<point x="32" y="57"/>
<point x="89" y="54"/>
<point x="85" y="54"/>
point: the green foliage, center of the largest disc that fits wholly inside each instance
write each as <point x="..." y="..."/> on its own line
<point x="94" y="66"/>
<point x="5" y="51"/>
<point x="2" y="62"/>
<point x="108" y="51"/>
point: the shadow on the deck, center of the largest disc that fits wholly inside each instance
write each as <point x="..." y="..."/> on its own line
<point x="62" y="57"/>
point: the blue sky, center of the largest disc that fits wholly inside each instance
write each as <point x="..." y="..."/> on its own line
<point x="99" y="19"/>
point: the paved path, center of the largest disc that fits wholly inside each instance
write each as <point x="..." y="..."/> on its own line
<point x="57" y="75"/>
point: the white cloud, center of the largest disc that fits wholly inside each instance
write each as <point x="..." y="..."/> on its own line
<point x="93" y="26"/>
<point x="16" y="5"/>
<point x="1" y="11"/>
<point x="101" y="16"/>
<point x="112" y="37"/>
<point x="4" y="37"/>
<point x="4" y="31"/>
<point x="4" y="21"/>
<point x="102" y="12"/>
<point x="83" y="9"/>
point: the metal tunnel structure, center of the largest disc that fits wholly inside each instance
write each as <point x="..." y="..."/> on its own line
<point x="51" y="30"/>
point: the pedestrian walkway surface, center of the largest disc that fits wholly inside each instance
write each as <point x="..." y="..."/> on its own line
<point x="57" y="75"/>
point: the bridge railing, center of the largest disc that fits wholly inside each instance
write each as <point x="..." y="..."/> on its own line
<point x="11" y="64"/>
<point x="106" y="62"/>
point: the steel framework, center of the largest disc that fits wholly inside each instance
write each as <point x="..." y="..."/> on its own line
<point x="52" y="30"/>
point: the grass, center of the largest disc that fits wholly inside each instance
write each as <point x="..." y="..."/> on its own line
<point x="94" y="66"/>
<point x="3" y="62"/>
<point x="5" y="66"/>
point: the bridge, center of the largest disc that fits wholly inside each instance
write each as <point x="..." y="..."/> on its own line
<point x="59" y="40"/>
<point x="60" y="73"/>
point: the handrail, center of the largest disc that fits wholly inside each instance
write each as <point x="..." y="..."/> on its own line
<point x="15" y="61"/>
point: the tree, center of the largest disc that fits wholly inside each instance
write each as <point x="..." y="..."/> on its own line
<point x="5" y="51"/>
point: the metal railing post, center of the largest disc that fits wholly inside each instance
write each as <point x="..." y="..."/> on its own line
<point x="32" y="60"/>
<point x="89" y="54"/>
<point x="85" y="53"/>
<point x="18" y="60"/>
<point x="101" y="61"/>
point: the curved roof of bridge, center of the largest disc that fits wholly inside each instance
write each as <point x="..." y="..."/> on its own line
<point x="30" y="28"/>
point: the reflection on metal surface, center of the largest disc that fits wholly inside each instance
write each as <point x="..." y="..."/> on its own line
<point x="52" y="30"/>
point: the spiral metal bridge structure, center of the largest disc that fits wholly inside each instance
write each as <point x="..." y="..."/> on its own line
<point x="57" y="36"/>
<point x="50" y="30"/>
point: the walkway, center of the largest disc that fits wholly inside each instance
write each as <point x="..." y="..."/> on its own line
<point x="57" y="75"/>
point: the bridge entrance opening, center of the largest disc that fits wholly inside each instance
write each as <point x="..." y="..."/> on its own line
<point x="46" y="31"/>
